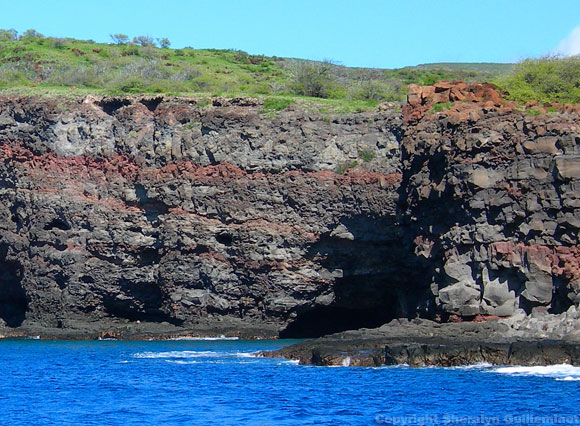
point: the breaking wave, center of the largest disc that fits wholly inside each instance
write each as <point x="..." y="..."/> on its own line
<point x="207" y="338"/>
<point x="185" y="355"/>
<point x="560" y="372"/>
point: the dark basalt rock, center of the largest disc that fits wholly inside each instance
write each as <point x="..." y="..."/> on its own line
<point x="208" y="220"/>
<point x="430" y="344"/>
<point x="119" y="213"/>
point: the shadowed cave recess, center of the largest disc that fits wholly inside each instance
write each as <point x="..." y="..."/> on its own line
<point x="13" y="298"/>
<point x="377" y="279"/>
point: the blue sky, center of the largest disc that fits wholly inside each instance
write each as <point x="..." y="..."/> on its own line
<point x="366" y="33"/>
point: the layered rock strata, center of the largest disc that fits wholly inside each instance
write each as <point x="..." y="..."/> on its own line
<point x="215" y="217"/>
<point x="493" y="195"/>
<point x="137" y="215"/>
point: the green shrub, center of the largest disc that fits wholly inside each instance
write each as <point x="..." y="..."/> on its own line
<point x="444" y="106"/>
<point x="130" y="50"/>
<point x="366" y="155"/>
<point x="312" y="79"/>
<point x="58" y="43"/>
<point x="131" y="85"/>
<point x="260" y="89"/>
<point x="342" y="168"/>
<point x="164" y="42"/>
<point x="143" y="41"/>
<point x="31" y="34"/>
<point x="533" y="111"/>
<point x="548" y="79"/>
<point x="10" y="77"/>
<point x="277" y="104"/>
<point x="378" y="90"/>
<point x="120" y="38"/>
<point x="80" y="76"/>
<point x="8" y="35"/>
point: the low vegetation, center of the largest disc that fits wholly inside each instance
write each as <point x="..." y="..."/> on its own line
<point x="277" y="104"/>
<point x="548" y="79"/>
<point x="33" y="63"/>
<point x="441" y="107"/>
<point x="143" y="64"/>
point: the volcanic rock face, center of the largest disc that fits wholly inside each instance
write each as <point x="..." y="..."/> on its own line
<point x="129" y="209"/>
<point x="495" y="203"/>
<point x="220" y="217"/>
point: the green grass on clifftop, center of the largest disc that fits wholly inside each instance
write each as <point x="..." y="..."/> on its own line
<point x="33" y="63"/>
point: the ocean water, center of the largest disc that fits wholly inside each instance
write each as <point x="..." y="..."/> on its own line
<point x="222" y="382"/>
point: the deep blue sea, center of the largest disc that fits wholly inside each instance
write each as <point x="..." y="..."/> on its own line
<point x="221" y="382"/>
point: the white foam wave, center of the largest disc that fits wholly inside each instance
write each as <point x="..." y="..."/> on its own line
<point x="564" y="372"/>
<point x="569" y="379"/>
<point x="181" y="362"/>
<point x="176" y="354"/>
<point x="206" y="338"/>
<point x="180" y="355"/>
<point x="247" y="354"/>
<point x="478" y="366"/>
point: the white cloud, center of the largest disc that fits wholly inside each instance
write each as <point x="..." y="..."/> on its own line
<point x="571" y="44"/>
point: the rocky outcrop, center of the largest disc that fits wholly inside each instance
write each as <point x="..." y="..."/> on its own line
<point x="539" y="339"/>
<point x="472" y="98"/>
<point x="200" y="217"/>
<point x="495" y="204"/>
<point x="369" y="352"/>
<point x="134" y="215"/>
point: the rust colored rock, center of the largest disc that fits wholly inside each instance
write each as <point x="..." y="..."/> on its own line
<point x="484" y="318"/>
<point x="442" y="86"/>
<point x="459" y="117"/>
<point x="456" y="94"/>
<point x="531" y="104"/>
<point x="414" y="95"/>
<point x="427" y="94"/>
<point x="490" y="94"/>
<point x="441" y="97"/>
<point x="485" y="95"/>
<point x="412" y="114"/>
<point x="489" y="105"/>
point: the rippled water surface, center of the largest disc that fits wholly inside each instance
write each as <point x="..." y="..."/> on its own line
<point x="222" y="382"/>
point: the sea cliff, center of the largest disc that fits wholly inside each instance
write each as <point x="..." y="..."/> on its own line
<point x="154" y="216"/>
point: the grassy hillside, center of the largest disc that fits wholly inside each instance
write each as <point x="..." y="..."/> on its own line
<point x="492" y="69"/>
<point x="36" y="64"/>
<point x="32" y="60"/>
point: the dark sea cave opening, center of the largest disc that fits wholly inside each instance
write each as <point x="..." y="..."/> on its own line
<point x="378" y="279"/>
<point x="325" y="320"/>
<point x="13" y="298"/>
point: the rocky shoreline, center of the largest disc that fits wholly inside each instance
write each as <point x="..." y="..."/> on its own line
<point x="138" y="330"/>
<point x="421" y="343"/>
